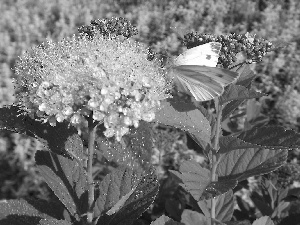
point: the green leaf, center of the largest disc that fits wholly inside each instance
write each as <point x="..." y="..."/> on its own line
<point x="245" y="78"/>
<point x="261" y="204"/>
<point x="115" y="186"/>
<point x="54" y="222"/>
<point x="140" y="199"/>
<point x="194" y="177"/>
<point x="217" y="188"/>
<point x="12" y="118"/>
<point x="224" y="206"/>
<point x="230" y="143"/>
<point x="28" y="211"/>
<point x="190" y="217"/>
<point x="136" y="151"/>
<point x="243" y="163"/>
<point x="174" y="208"/>
<point x="65" y="177"/>
<point x="184" y="116"/>
<point x="237" y="92"/>
<point x="265" y="220"/>
<point x="271" y="136"/>
<point x="164" y="220"/>
<point x="230" y="107"/>
<point x="212" y="121"/>
<point x="244" y="222"/>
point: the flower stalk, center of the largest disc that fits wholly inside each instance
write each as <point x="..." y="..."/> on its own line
<point x="215" y="156"/>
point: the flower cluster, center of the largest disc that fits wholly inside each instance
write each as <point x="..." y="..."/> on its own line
<point x="107" y="27"/>
<point x="253" y="48"/>
<point x="104" y="77"/>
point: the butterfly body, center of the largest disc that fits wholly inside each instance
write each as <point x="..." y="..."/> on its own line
<point x="196" y="71"/>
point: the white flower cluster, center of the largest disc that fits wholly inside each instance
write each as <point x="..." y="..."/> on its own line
<point x="108" y="78"/>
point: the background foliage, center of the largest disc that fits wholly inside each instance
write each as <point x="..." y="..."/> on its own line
<point x="26" y="23"/>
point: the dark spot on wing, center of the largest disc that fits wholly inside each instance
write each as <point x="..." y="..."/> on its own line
<point x="208" y="57"/>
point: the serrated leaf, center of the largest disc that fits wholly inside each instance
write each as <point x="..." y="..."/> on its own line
<point x="186" y="117"/>
<point x="265" y="220"/>
<point x="190" y="217"/>
<point x="237" y="92"/>
<point x="28" y="211"/>
<point x="230" y="107"/>
<point x="54" y="222"/>
<point x="164" y="220"/>
<point x="117" y="184"/>
<point x="136" y="152"/>
<point x="224" y="206"/>
<point x="218" y="187"/>
<point x="271" y="136"/>
<point x="194" y="177"/>
<point x="243" y="163"/>
<point x="212" y="122"/>
<point x="229" y="143"/>
<point x="12" y="118"/>
<point x="245" y="78"/>
<point x="141" y="198"/>
<point x="66" y="178"/>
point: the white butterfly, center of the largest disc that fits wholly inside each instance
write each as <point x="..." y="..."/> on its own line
<point x="196" y="71"/>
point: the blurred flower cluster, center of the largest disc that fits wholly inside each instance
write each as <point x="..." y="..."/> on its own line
<point x="104" y="77"/>
<point x="107" y="27"/>
<point x="253" y="49"/>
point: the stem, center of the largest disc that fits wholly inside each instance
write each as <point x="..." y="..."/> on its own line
<point x="215" y="156"/>
<point x="91" y="193"/>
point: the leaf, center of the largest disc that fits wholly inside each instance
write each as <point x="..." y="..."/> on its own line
<point x="136" y="152"/>
<point x="230" y="143"/>
<point x="173" y="208"/>
<point x="243" y="163"/>
<point x="212" y="121"/>
<point x="28" y="211"/>
<point x="244" y="222"/>
<point x="245" y="78"/>
<point x="65" y="177"/>
<point x="265" y="220"/>
<point x="190" y="217"/>
<point x="261" y="204"/>
<point x="115" y="186"/>
<point x="185" y="116"/>
<point x="12" y="118"/>
<point x="54" y="222"/>
<point x="164" y="220"/>
<point x="194" y="178"/>
<point x="230" y="107"/>
<point x="141" y="198"/>
<point x="224" y="206"/>
<point x="218" y="187"/>
<point x="237" y="92"/>
<point x="271" y="136"/>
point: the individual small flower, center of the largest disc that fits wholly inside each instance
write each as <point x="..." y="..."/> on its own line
<point x="103" y="77"/>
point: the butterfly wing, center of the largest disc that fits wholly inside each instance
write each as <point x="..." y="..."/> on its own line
<point x="206" y="74"/>
<point x="196" y="71"/>
<point x="202" y="55"/>
<point x="202" y="87"/>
